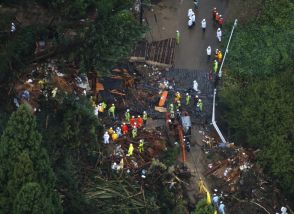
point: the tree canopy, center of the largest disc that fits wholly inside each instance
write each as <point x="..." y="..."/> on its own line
<point x="257" y="101"/>
<point x="264" y="45"/>
<point x="23" y="160"/>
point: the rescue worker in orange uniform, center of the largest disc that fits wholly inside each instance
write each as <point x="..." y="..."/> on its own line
<point x="217" y="17"/>
<point x="220" y="21"/>
<point x="132" y="121"/>
<point x="124" y="128"/>
<point x="139" y="121"/>
<point x="219" y="56"/>
<point x="214" y="13"/>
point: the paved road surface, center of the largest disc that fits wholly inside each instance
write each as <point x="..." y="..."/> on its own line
<point x="171" y="15"/>
<point x="191" y="53"/>
<point x="190" y="60"/>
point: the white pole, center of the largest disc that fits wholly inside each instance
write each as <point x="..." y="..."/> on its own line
<point x="213" y="120"/>
<point x="214" y="92"/>
<point x="227" y="48"/>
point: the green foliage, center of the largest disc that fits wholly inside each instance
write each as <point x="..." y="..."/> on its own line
<point x="30" y="199"/>
<point x="257" y="99"/>
<point x="70" y="138"/>
<point x="203" y="208"/>
<point x="3" y="120"/>
<point x="14" y="54"/>
<point x="262" y="115"/>
<point x="110" y="40"/>
<point x="265" y="45"/>
<point x="71" y="128"/>
<point x="22" y="160"/>
<point x="170" y="156"/>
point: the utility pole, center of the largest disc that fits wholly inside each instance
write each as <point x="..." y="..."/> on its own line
<point x="227" y="49"/>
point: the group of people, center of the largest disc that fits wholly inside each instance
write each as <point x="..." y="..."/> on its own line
<point x="192" y="20"/>
<point x="130" y="124"/>
<point x="217" y="203"/>
<point x="176" y="107"/>
<point x="218" y="19"/>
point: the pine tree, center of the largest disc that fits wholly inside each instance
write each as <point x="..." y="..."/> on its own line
<point x="30" y="199"/>
<point x="23" y="160"/>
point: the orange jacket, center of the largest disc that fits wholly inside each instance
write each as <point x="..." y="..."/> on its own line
<point x="124" y="129"/>
<point x="140" y="122"/>
<point x="132" y="121"/>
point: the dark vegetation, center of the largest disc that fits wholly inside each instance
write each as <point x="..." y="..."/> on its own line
<point x="257" y="97"/>
<point x="51" y="162"/>
<point x="46" y="156"/>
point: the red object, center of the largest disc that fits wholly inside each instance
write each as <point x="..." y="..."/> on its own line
<point x="220" y="21"/>
<point x="132" y="121"/>
<point x="139" y="122"/>
<point x="213" y="13"/>
<point x="163" y="98"/>
<point x="217" y="17"/>
<point x="124" y="129"/>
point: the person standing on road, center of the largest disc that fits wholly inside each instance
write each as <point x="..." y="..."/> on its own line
<point x="215" y="66"/>
<point x="190" y="23"/>
<point x="203" y="25"/>
<point x="214" y="13"/>
<point x="196" y="3"/>
<point x="215" y="54"/>
<point x="208" y="51"/>
<point x="217" y="17"/>
<point x="178" y="37"/>
<point x="220" y="21"/>
<point x="219" y="56"/>
<point x="219" y="34"/>
<point x="193" y="18"/>
<point x="190" y="13"/>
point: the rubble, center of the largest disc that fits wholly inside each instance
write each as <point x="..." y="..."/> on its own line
<point x="230" y="169"/>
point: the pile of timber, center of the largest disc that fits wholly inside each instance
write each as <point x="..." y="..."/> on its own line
<point x="159" y="53"/>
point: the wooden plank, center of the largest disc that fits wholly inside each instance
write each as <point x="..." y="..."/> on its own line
<point x="160" y="109"/>
<point x="114" y="91"/>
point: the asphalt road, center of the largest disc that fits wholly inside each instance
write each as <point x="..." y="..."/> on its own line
<point x="191" y="53"/>
<point x="171" y="15"/>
